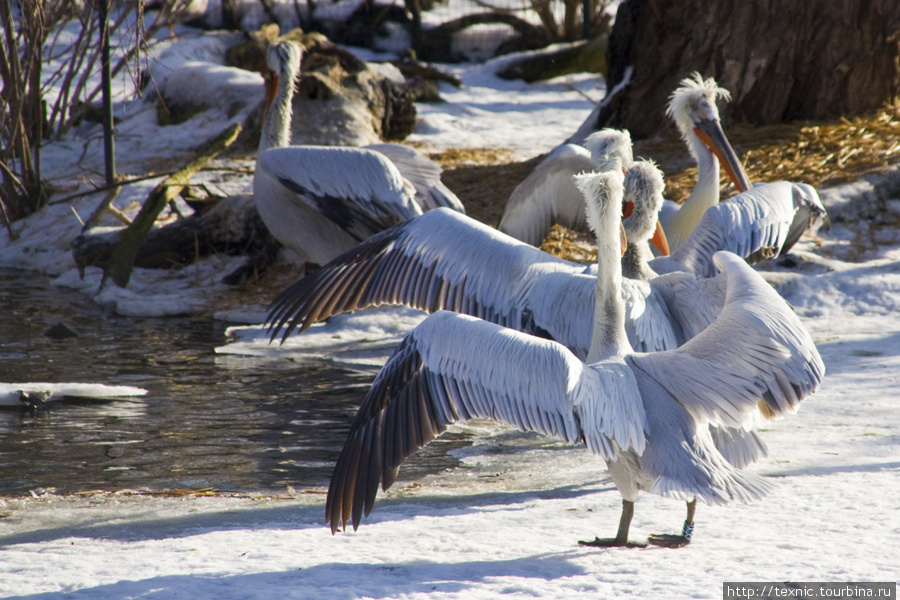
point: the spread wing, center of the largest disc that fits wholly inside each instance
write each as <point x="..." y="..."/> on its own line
<point x="447" y="370"/>
<point x="440" y="260"/>
<point x="443" y="260"/>
<point x="756" y="349"/>
<point x="548" y="196"/>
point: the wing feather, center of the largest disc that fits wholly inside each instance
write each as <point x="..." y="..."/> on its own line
<point x="423" y="173"/>
<point x="756" y="349"/>
<point x="440" y="374"/>
<point x="547" y="196"/>
<point x="359" y="190"/>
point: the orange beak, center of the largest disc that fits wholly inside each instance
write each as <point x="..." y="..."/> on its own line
<point x="271" y="88"/>
<point x="623" y="242"/>
<point x="659" y="240"/>
<point x="710" y="133"/>
<point x="627" y="209"/>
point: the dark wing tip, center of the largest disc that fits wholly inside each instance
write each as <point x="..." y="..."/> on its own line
<point x="402" y="412"/>
<point x="338" y="287"/>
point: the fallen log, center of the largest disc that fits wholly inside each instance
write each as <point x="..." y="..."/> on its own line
<point x="580" y="57"/>
<point x="117" y="259"/>
<point x="232" y="227"/>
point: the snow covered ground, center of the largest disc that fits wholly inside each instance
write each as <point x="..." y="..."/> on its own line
<point x="506" y="522"/>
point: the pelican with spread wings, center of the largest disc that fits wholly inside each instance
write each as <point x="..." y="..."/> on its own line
<point x="646" y="414"/>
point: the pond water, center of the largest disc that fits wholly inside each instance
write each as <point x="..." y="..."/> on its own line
<point x="257" y="427"/>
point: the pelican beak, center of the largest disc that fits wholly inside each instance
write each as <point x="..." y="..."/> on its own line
<point x="271" y="88"/>
<point x="623" y="242"/>
<point x="627" y="209"/>
<point x="659" y="239"/>
<point x="710" y="133"/>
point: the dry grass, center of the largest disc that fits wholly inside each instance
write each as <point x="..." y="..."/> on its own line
<point x="483" y="178"/>
<point x="570" y="245"/>
<point x="821" y="154"/>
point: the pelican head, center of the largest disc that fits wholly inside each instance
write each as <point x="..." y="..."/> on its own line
<point x="283" y="60"/>
<point x="603" y="192"/>
<point x="693" y="108"/>
<point x="643" y="198"/>
<point x="806" y="195"/>
<point x="610" y="148"/>
<point x="806" y="198"/>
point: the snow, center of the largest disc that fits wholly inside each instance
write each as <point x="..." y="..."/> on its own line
<point x="507" y="521"/>
<point x="536" y="117"/>
<point x="11" y="393"/>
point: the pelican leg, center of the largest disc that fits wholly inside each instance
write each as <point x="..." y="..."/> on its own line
<point x="677" y="541"/>
<point x="621" y="538"/>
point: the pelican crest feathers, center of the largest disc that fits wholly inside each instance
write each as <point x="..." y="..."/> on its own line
<point x="694" y="89"/>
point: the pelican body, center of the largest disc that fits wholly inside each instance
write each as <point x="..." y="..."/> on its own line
<point x="548" y="196"/>
<point x="759" y="224"/>
<point x="322" y="201"/>
<point x="646" y="414"/>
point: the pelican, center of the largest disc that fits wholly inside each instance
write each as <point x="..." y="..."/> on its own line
<point x="446" y="261"/>
<point x="693" y="301"/>
<point x="646" y="414"/>
<point x="548" y="196"/>
<point x="322" y="201"/>
<point x="693" y="108"/>
<point x="759" y="224"/>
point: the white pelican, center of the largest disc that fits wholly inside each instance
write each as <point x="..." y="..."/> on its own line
<point x="693" y="301"/>
<point x="322" y="201"/>
<point x="759" y="224"/>
<point x="693" y="108"/>
<point x="548" y="195"/>
<point x="445" y="260"/>
<point x="645" y="414"/>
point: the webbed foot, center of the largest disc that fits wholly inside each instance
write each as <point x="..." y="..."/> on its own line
<point x="666" y="540"/>
<point x="611" y="543"/>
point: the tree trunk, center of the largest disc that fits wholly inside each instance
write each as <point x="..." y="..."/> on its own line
<point x="119" y="260"/>
<point x="781" y="60"/>
<point x="232" y="227"/>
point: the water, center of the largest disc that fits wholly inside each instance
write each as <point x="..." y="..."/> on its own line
<point x="254" y="428"/>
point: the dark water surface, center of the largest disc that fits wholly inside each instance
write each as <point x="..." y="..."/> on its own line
<point x="258" y="427"/>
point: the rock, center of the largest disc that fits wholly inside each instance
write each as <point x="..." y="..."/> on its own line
<point x="60" y="331"/>
<point x="865" y="198"/>
<point x="561" y="59"/>
<point x="340" y="99"/>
